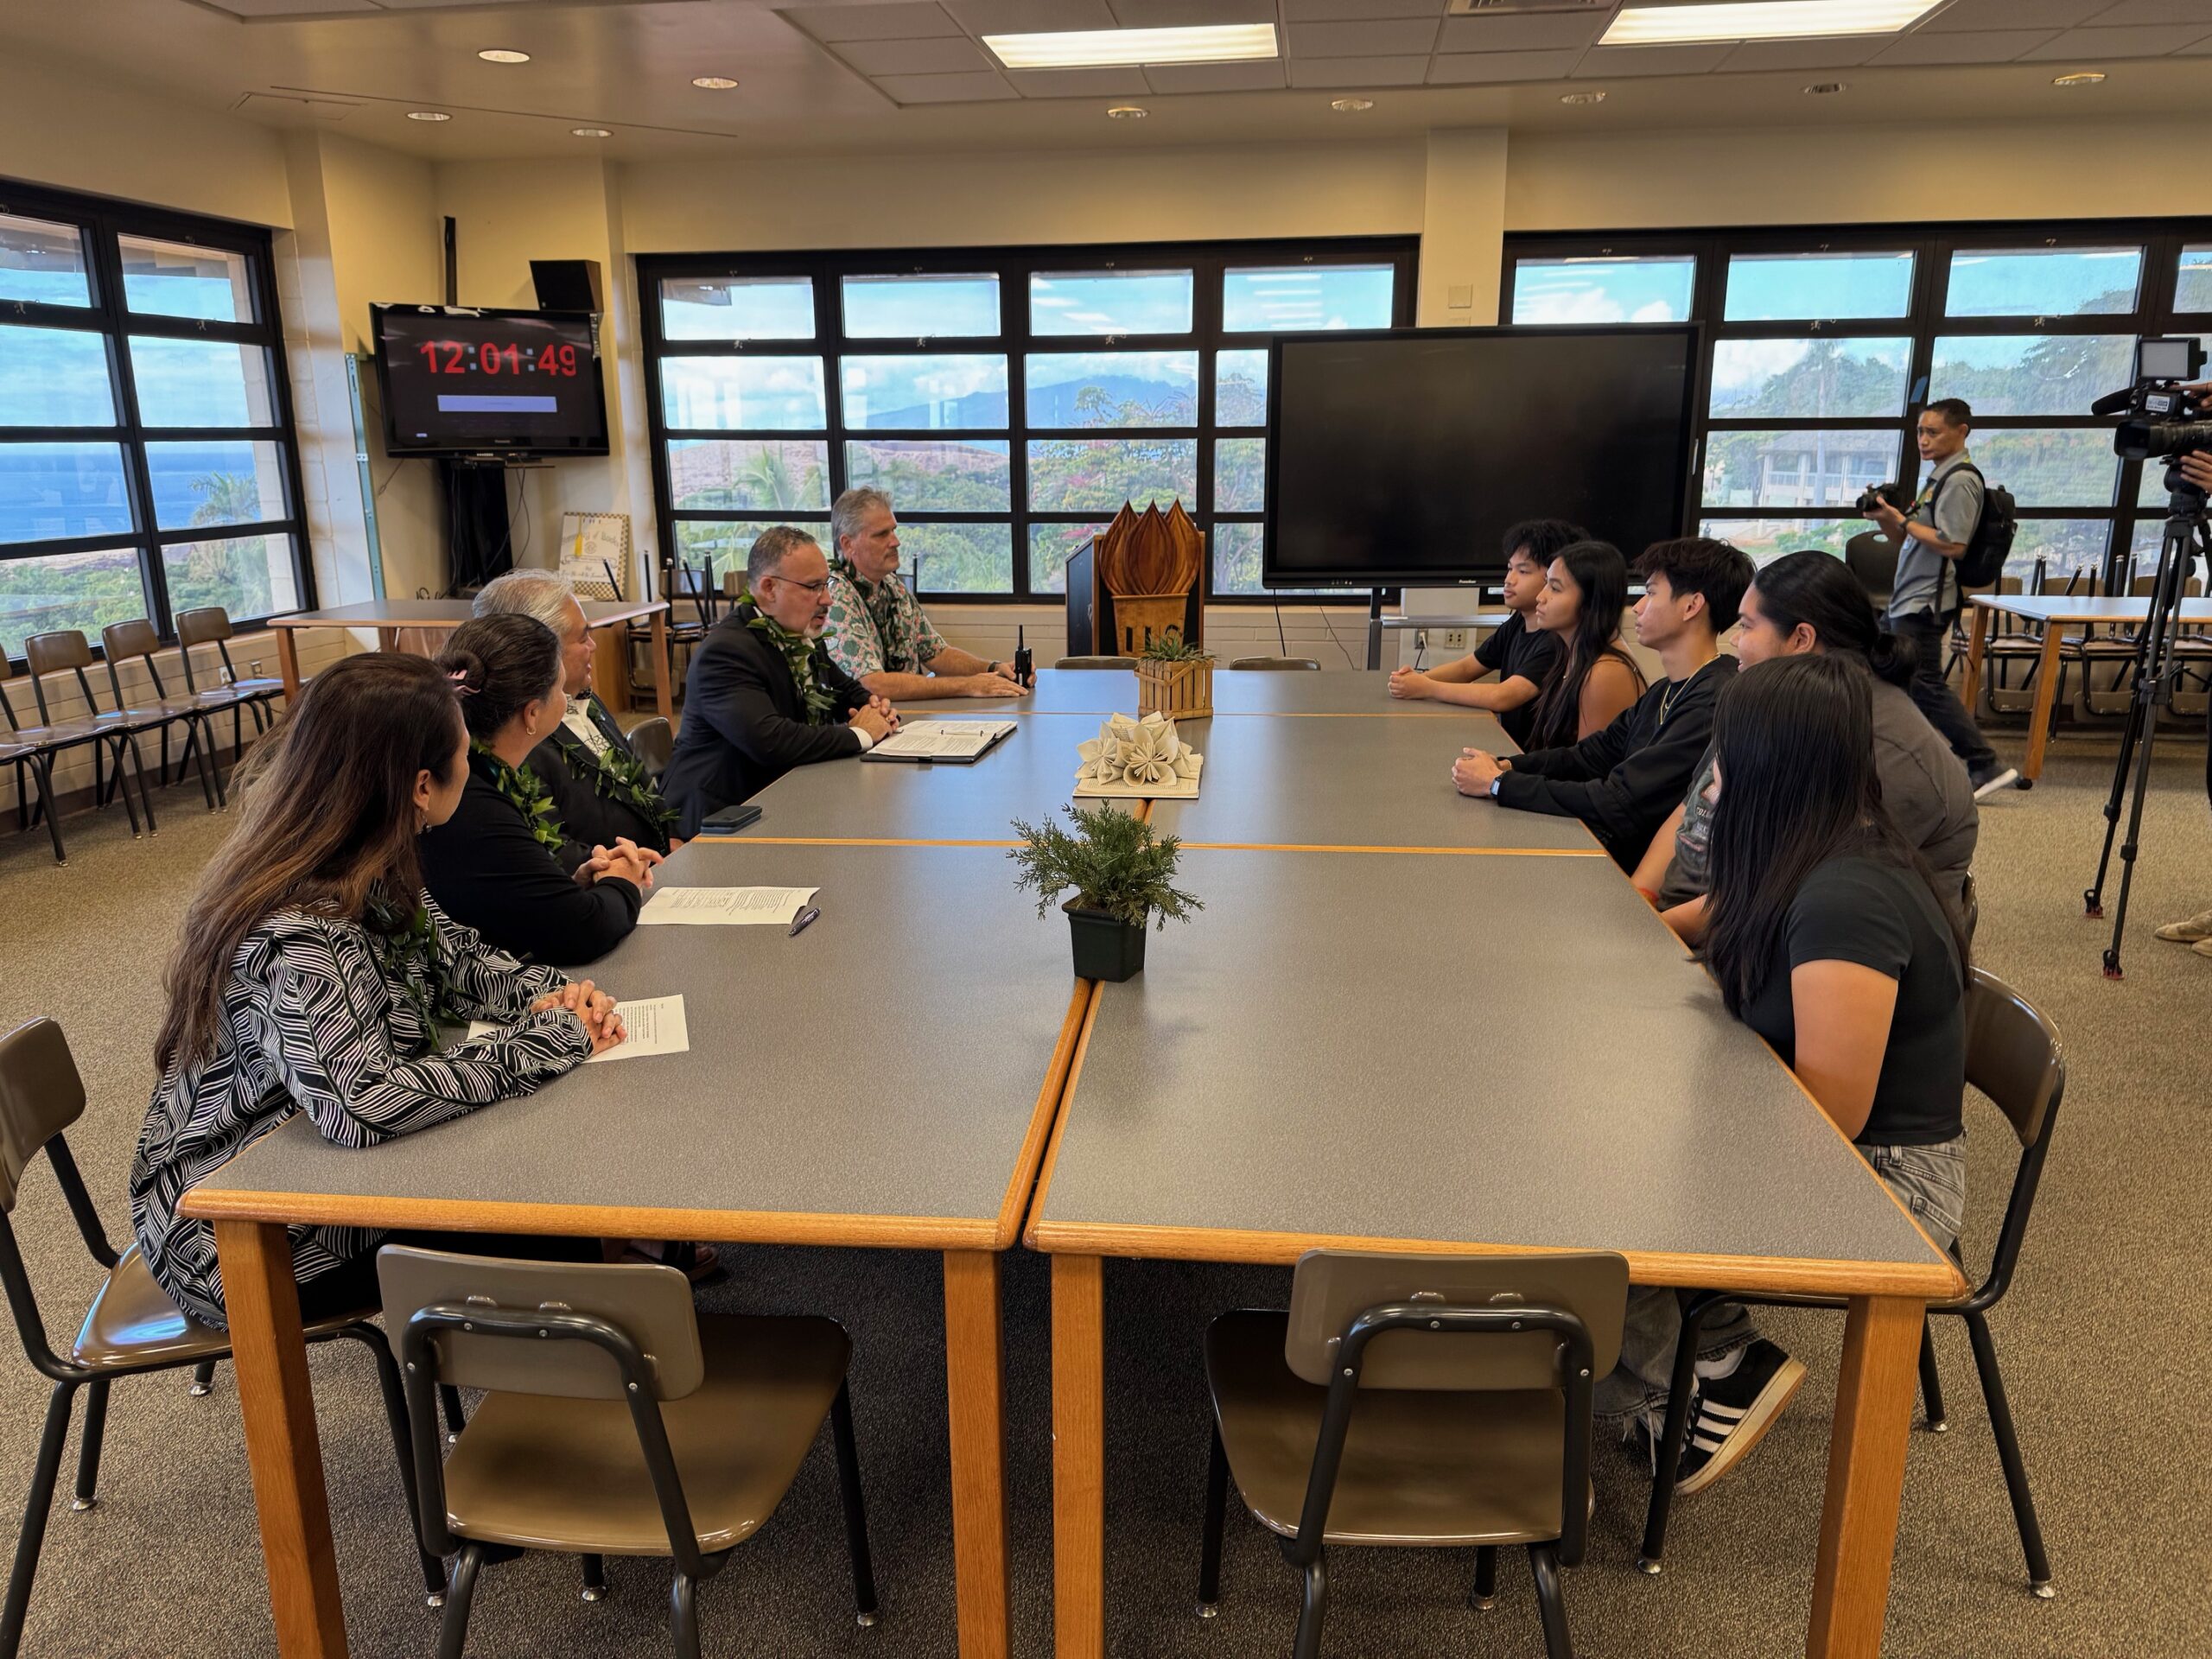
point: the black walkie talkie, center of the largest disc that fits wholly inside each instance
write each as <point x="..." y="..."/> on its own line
<point x="1025" y="673"/>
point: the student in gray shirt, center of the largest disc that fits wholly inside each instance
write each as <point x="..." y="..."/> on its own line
<point x="1930" y="539"/>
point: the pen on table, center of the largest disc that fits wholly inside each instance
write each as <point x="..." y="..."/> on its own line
<point x="799" y="921"/>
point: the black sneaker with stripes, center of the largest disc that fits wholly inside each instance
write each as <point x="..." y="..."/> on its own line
<point x="1730" y="1415"/>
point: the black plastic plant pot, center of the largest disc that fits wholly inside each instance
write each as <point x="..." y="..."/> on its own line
<point x="1106" y="947"/>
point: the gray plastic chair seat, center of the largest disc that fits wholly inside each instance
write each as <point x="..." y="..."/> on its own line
<point x="1095" y="662"/>
<point x="1277" y="664"/>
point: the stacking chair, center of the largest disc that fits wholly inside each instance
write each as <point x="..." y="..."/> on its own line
<point x="2013" y="1057"/>
<point x="131" y="1328"/>
<point x="1436" y="1401"/>
<point x="1870" y="556"/>
<point x="209" y="624"/>
<point x="1095" y="662"/>
<point x="653" y="741"/>
<point x="617" y="1420"/>
<point x="123" y="642"/>
<point x="30" y="750"/>
<point x="112" y="736"/>
<point x="1276" y="665"/>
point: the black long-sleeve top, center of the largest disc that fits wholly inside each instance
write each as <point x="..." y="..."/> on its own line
<point x="1624" y="781"/>
<point x="488" y="872"/>
<point x="592" y="812"/>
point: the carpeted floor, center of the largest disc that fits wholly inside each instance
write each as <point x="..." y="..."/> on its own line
<point x="2101" y="1340"/>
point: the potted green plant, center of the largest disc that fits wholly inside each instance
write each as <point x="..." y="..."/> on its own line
<point x="1123" y="875"/>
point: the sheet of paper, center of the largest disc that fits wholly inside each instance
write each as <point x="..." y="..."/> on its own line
<point x="724" y="906"/>
<point x="654" y="1025"/>
<point x="925" y="737"/>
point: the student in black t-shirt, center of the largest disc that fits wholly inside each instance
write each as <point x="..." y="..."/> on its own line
<point x="1827" y="939"/>
<point x="1520" y="656"/>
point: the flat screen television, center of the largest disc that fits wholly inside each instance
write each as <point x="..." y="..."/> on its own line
<point x="459" y="380"/>
<point x="1400" y="459"/>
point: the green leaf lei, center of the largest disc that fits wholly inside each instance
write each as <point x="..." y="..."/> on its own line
<point x="522" y="789"/>
<point x="406" y="949"/>
<point x="618" y="775"/>
<point x="799" y="655"/>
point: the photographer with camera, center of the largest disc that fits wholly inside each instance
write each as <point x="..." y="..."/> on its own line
<point x="1931" y="536"/>
<point x="2196" y="932"/>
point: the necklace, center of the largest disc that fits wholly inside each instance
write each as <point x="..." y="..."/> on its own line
<point x="799" y="654"/>
<point x="523" y="790"/>
<point x="1667" y="699"/>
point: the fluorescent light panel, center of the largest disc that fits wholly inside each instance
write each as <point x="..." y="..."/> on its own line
<point x="1762" y="20"/>
<point x="1111" y="48"/>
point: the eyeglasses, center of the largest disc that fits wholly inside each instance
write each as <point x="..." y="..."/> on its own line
<point x="804" y="587"/>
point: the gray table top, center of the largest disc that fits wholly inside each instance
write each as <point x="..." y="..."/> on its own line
<point x="2068" y="607"/>
<point x="444" y="614"/>
<point x="825" y="1100"/>
<point x="1352" y="782"/>
<point x="1676" y="1137"/>
<point x="1106" y="690"/>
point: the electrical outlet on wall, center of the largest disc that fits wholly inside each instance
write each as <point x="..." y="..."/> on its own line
<point x="1455" y="639"/>
<point x="1421" y="639"/>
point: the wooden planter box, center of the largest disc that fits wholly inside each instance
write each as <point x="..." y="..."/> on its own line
<point x="1177" y="690"/>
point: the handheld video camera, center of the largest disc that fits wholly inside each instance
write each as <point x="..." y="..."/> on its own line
<point x="2162" y="421"/>
<point x="1897" y="495"/>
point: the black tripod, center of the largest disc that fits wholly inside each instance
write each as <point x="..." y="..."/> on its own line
<point x="2156" y="671"/>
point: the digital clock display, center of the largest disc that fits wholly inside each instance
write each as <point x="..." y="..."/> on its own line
<point x="465" y="381"/>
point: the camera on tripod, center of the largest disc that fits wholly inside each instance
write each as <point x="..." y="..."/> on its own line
<point x="2164" y="421"/>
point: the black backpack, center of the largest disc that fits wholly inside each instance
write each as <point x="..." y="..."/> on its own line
<point x="1991" y="545"/>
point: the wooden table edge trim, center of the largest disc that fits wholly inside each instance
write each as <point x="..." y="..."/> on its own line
<point x="1044" y="1120"/>
<point x="1447" y="852"/>
<point x="1059" y="1122"/>
<point x="631" y="611"/>
<point x="593" y="1220"/>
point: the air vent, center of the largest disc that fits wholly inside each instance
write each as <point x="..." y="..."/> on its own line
<point x="1523" y="8"/>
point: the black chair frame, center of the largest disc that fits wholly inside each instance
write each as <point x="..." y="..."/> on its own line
<point x="693" y="1565"/>
<point x="1305" y="1550"/>
<point x="198" y="734"/>
<point x="68" y="1378"/>
<point x="107" y="779"/>
<point x="259" y="704"/>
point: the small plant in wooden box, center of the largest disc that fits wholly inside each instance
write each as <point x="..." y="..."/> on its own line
<point x="1174" y="678"/>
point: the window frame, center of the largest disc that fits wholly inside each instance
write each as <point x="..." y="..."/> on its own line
<point x="101" y="223"/>
<point x="1208" y="262"/>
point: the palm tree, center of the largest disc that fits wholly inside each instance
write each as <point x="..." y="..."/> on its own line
<point x="227" y="499"/>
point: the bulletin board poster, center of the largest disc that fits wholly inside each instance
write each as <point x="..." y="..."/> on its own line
<point x="593" y="544"/>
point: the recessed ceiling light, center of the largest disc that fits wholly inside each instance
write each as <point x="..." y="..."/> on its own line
<point x="1824" y="88"/>
<point x="502" y="55"/>
<point x="1351" y="105"/>
<point x="428" y="114"/>
<point x="1582" y="97"/>
<point x="2086" y="78"/>
<point x="714" y="83"/>
<point x="1127" y="112"/>
<point x="1762" y="20"/>
<point x="591" y="132"/>
<point x="1112" y="49"/>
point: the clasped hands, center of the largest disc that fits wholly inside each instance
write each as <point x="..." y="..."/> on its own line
<point x="1475" y="770"/>
<point x="634" y="863"/>
<point x="593" y="1008"/>
<point x="877" y="719"/>
<point x="1411" y="684"/>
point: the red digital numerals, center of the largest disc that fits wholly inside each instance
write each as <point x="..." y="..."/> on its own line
<point x="461" y="357"/>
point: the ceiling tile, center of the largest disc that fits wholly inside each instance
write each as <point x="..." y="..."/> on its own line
<point x="2106" y="44"/>
<point x="1357" y="72"/>
<point x="2130" y="13"/>
<point x="1178" y="14"/>
<point x="896" y="22"/>
<point x="947" y="56"/>
<point x="1217" y="77"/>
<point x="1988" y="46"/>
<point x="1653" y="59"/>
<point x="1753" y="55"/>
<point x="1079" y="82"/>
<point x="1538" y="34"/>
<point x="1029" y="16"/>
<point x="944" y="89"/>
<point x="2012" y="13"/>
<point x="1368" y="39"/>
<point x="1332" y="11"/>
<point x="1476" y="69"/>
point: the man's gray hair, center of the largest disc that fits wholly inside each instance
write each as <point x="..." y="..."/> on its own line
<point x="544" y="594"/>
<point x="850" y="508"/>
<point x="769" y="551"/>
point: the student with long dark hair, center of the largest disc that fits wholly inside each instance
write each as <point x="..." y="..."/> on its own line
<point x="313" y="969"/>
<point x="1809" y="601"/>
<point x="1827" y="939"/>
<point x="1586" y="589"/>
<point x="495" y="865"/>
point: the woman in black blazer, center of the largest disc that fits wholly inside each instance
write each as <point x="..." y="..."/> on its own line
<point x="493" y="866"/>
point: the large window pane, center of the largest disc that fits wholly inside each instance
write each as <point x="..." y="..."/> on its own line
<point x="1769" y="538"/>
<point x="2044" y="281"/>
<point x="958" y="558"/>
<point x="924" y="393"/>
<point x="1776" y="286"/>
<point x="1810" y="380"/>
<point x="85" y="591"/>
<point x="42" y="262"/>
<point x="723" y="475"/>
<point x="174" y="279"/>
<point x="2193" y="288"/>
<point x="1240" y="474"/>
<point x="1604" y="290"/>
<point x="2050" y="468"/>
<point x="970" y="476"/>
<point x="921" y="307"/>
<point x="730" y="393"/>
<point x="49" y="492"/>
<point x="247" y="576"/>
<point x="727" y="541"/>
<point x="197" y="484"/>
<point x="738" y="307"/>
<point x="1240" y="388"/>
<point x="201" y="383"/>
<point x="2065" y="545"/>
<point x="1796" y="469"/>
<point x="1101" y="474"/>
<point x="1236" y="548"/>
<point x="1113" y="389"/>
<point x="1051" y="547"/>
<point x="1275" y="300"/>
<point x="55" y="376"/>
<point x="2031" y="374"/>
<point x="1110" y="302"/>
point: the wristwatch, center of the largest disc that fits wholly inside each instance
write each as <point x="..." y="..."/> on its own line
<point x="1494" y="783"/>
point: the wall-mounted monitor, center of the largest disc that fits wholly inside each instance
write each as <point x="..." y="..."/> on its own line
<point x="1400" y="459"/>
<point x="461" y="381"/>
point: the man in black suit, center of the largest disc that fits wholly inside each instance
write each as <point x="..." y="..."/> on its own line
<point x="763" y="695"/>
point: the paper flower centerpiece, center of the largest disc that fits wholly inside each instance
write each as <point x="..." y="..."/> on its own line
<point x="1138" y="757"/>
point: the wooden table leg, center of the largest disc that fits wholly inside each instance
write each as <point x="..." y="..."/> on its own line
<point x="610" y="667"/>
<point x="2046" y="695"/>
<point x="662" y="700"/>
<point x="1079" y="1457"/>
<point x="975" y="1395"/>
<point x="387" y="639"/>
<point x="281" y="1445"/>
<point x="1977" y="646"/>
<point x="287" y="663"/>
<point x="1866" y="1452"/>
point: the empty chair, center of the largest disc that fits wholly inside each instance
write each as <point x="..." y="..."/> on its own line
<point x="112" y="735"/>
<point x="1347" y="1420"/>
<point x="209" y="624"/>
<point x="1095" y="662"/>
<point x="1872" y="558"/>
<point x="2013" y="1056"/>
<point x="30" y="750"/>
<point x="124" y="642"/>
<point x="617" y="1420"/>
<point x="654" y="740"/>
<point x="131" y="1327"/>
<point x="1276" y="665"/>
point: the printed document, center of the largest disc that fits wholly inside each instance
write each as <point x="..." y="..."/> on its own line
<point x="941" y="740"/>
<point x="724" y="906"/>
<point x="652" y="1025"/>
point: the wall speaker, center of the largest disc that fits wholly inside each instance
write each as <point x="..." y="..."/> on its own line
<point x="567" y="285"/>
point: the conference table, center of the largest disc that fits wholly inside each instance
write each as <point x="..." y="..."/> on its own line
<point x="1267" y="1085"/>
<point x="389" y="616"/>
<point x="2055" y="613"/>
